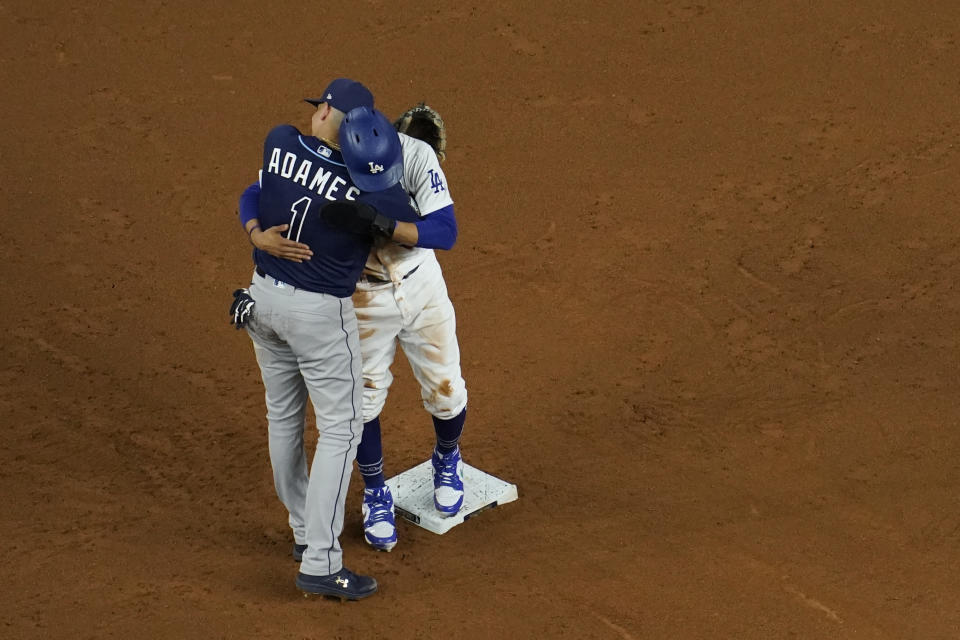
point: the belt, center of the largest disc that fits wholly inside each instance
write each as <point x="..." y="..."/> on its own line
<point x="264" y="274"/>
<point x="376" y="280"/>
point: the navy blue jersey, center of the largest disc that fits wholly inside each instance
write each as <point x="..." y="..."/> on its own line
<point x="300" y="175"/>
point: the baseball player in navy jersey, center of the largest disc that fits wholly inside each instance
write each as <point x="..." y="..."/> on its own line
<point x="402" y="297"/>
<point x="301" y="320"/>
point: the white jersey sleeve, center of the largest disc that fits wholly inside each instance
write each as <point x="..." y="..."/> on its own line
<point x="423" y="178"/>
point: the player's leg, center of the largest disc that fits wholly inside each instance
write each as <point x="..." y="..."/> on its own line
<point x="379" y="521"/>
<point x="429" y="341"/>
<point x="370" y="455"/>
<point x="379" y="322"/>
<point x="323" y="334"/>
<point x="448" y="488"/>
<point x="444" y="397"/>
<point x="286" y="398"/>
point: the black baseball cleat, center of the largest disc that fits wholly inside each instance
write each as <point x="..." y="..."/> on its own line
<point x="343" y="584"/>
<point x="298" y="550"/>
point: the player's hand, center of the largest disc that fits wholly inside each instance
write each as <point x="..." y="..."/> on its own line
<point x="359" y="218"/>
<point x="241" y="308"/>
<point x="273" y="242"/>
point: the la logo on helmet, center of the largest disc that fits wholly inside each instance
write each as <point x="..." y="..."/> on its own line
<point x="375" y="168"/>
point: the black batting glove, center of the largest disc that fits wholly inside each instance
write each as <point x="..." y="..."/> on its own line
<point x="359" y="218"/>
<point x="241" y="308"/>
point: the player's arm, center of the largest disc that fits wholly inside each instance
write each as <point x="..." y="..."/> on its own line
<point x="438" y="230"/>
<point x="435" y="231"/>
<point x="406" y="233"/>
<point x="428" y="186"/>
<point x="364" y="218"/>
<point x="270" y="240"/>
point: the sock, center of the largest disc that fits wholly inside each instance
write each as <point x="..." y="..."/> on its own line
<point x="449" y="432"/>
<point x="370" y="455"/>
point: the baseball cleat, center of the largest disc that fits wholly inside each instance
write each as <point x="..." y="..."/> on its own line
<point x="447" y="482"/>
<point x="298" y="550"/>
<point x="379" y="525"/>
<point x="343" y="584"/>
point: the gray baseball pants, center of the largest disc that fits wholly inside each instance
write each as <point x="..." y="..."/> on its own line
<point x="307" y="345"/>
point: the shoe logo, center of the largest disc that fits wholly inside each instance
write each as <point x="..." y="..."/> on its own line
<point x="375" y="168"/>
<point x="343" y="582"/>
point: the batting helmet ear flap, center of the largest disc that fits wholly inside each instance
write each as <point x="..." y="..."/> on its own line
<point x="371" y="149"/>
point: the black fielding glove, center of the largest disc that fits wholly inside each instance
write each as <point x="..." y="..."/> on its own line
<point x="359" y="218"/>
<point x="241" y="308"/>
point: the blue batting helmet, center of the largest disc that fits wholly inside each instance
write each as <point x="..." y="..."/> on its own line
<point x="371" y="149"/>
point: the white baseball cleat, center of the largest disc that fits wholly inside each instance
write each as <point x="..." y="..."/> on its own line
<point x="379" y="525"/>
<point x="447" y="482"/>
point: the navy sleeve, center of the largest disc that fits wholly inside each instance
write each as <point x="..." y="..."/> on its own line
<point x="249" y="204"/>
<point x="438" y="230"/>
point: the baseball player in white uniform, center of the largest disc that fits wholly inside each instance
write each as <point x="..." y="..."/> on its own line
<point x="402" y="298"/>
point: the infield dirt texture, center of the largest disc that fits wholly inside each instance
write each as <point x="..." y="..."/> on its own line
<point x="706" y="286"/>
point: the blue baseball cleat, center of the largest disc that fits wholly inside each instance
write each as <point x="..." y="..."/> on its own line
<point x="343" y="584"/>
<point x="447" y="482"/>
<point x="379" y="524"/>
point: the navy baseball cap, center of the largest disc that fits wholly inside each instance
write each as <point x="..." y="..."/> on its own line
<point x="344" y="94"/>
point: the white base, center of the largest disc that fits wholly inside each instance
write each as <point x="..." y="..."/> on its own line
<point x="413" y="496"/>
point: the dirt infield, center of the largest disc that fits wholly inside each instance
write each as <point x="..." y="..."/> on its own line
<point x="706" y="295"/>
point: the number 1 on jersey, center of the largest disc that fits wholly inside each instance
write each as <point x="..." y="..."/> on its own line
<point x="306" y="202"/>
